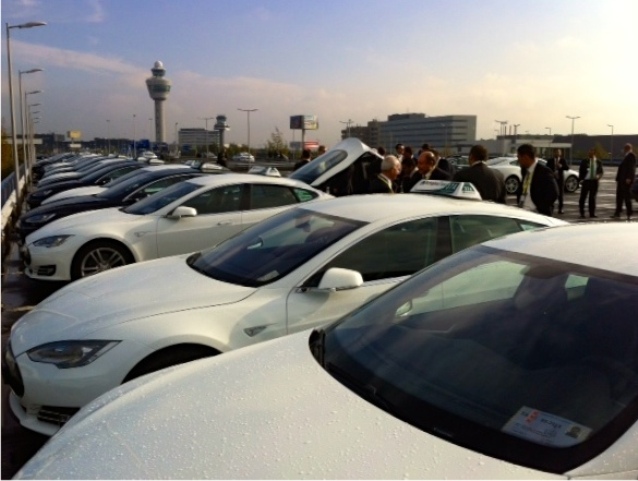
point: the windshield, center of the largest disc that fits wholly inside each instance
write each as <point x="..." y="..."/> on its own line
<point x="162" y="198"/>
<point x="521" y="358"/>
<point x="311" y="171"/>
<point x="272" y="248"/>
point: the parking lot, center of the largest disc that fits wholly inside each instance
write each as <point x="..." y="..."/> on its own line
<point x="20" y="294"/>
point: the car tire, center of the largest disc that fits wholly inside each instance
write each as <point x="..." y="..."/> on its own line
<point x="170" y="356"/>
<point x="99" y="256"/>
<point x="511" y="184"/>
<point x="571" y="184"/>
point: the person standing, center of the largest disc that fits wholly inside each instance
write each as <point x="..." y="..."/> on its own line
<point x="589" y="173"/>
<point x="624" y="179"/>
<point x="558" y="164"/>
<point x="538" y="191"/>
<point x="490" y="183"/>
<point x="305" y="159"/>
<point x="383" y="183"/>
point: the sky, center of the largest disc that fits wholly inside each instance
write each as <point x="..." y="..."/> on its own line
<point x="531" y="63"/>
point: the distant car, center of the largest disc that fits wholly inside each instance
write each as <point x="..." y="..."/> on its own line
<point x="187" y="216"/>
<point x="511" y="170"/>
<point x="300" y="269"/>
<point x="244" y="157"/>
<point x="97" y="176"/>
<point x="514" y="359"/>
<point x="263" y="170"/>
<point x="459" y="161"/>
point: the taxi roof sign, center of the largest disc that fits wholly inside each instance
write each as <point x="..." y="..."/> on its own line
<point x="458" y="190"/>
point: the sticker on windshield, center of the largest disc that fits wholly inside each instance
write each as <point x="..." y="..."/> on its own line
<point x="545" y="428"/>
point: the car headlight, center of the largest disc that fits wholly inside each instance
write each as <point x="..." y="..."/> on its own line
<point x="68" y="354"/>
<point x="53" y="241"/>
<point x="38" y="219"/>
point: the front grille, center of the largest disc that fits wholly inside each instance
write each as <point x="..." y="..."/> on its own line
<point x="56" y="415"/>
<point x="10" y="372"/>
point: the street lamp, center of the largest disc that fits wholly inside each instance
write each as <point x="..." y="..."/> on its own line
<point x="550" y="130"/>
<point x="176" y="137"/>
<point x="503" y="131"/>
<point x="571" y="150"/>
<point x="611" y="152"/>
<point x="108" y="135"/>
<point x="14" y="139"/>
<point x="347" y="122"/>
<point x="248" y="111"/>
<point x="24" y="151"/>
<point x="134" y="144"/>
<point x="206" y="119"/>
<point x="150" y="131"/>
<point x="22" y="119"/>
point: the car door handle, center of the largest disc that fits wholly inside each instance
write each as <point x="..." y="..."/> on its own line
<point x="225" y="222"/>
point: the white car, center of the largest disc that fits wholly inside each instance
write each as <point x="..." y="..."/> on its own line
<point x="188" y="216"/>
<point x="300" y="269"/>
<point x="511" y="170"/>
<point x="244" y="157"/>
<point x="516" y="359"/>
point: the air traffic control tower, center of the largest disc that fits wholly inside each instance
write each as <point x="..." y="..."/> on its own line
<point x="158" y="88"/>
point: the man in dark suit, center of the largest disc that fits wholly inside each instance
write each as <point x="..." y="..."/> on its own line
<point x="490" y="183"/>
<point x="383" y="183"/>
<point x="305" y="159"/>
<point x="427" y="169"/>
<point x="538" y="191"/>
<point x="589" y="173"/>
<point x="558" y="165"/>
<point x="624" y="179"/>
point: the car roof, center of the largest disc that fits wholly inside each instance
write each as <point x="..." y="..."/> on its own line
<point x="609" y="246"/>
<point x="376" y="207"/>
<point x="246" y="178"/>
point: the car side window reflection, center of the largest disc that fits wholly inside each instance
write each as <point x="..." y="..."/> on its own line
<point x="267" y="196"/>
<point x="397" y="251"/>
<point x="216" y="201"/>
<point x="468" y="230"/>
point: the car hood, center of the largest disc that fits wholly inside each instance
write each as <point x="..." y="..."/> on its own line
<point x="121" y="295"/>
<point x="268" y="411"/>
<point x="82" y="221"/>
<point x="76" y="192"/>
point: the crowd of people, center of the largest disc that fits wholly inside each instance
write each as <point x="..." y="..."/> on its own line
<point x="541" y="188"/>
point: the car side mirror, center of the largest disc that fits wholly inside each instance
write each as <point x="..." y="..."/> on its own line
<point x="182" y="211"/>
<point x="338" y="279"/>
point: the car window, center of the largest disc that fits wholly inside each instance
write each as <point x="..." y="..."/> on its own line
<point x="162" y="198"/>
<point x="159" y="185"/>
<point x="264" y="196"/>
<point x="216" y="201"/>
<point x="397" y="251"/>
<point x="469" y="230"/>
<point x="115" y="174"/>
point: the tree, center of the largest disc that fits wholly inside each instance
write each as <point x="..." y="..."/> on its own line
<point x="277" y="144"/>
<point x="7" y="155"/>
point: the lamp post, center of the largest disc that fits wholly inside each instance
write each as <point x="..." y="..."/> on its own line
<point x="22" y="119"/>
<point x="347" y="122"/>
<point x="550" y="130"/>
<point x="248" y="111"/>
<point x="516" y="126"/>
<point x="503" y="132"/>
<point x="108" y="135"/>
<point x="14" y="140"/>
<point x="176" y="138"/>
<point x="206" y="119"/>
<point x="571" y="150"/>
<point x="24" y="151"/>
<point x="134" y="144"/>
<point x="611" y="151"/>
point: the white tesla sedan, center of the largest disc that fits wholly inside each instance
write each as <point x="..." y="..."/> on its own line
<point x="302" y="268"/>
<point x="185" y="217"/>
<point x="515" y="359"/>
<point x="511" y="170"/>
